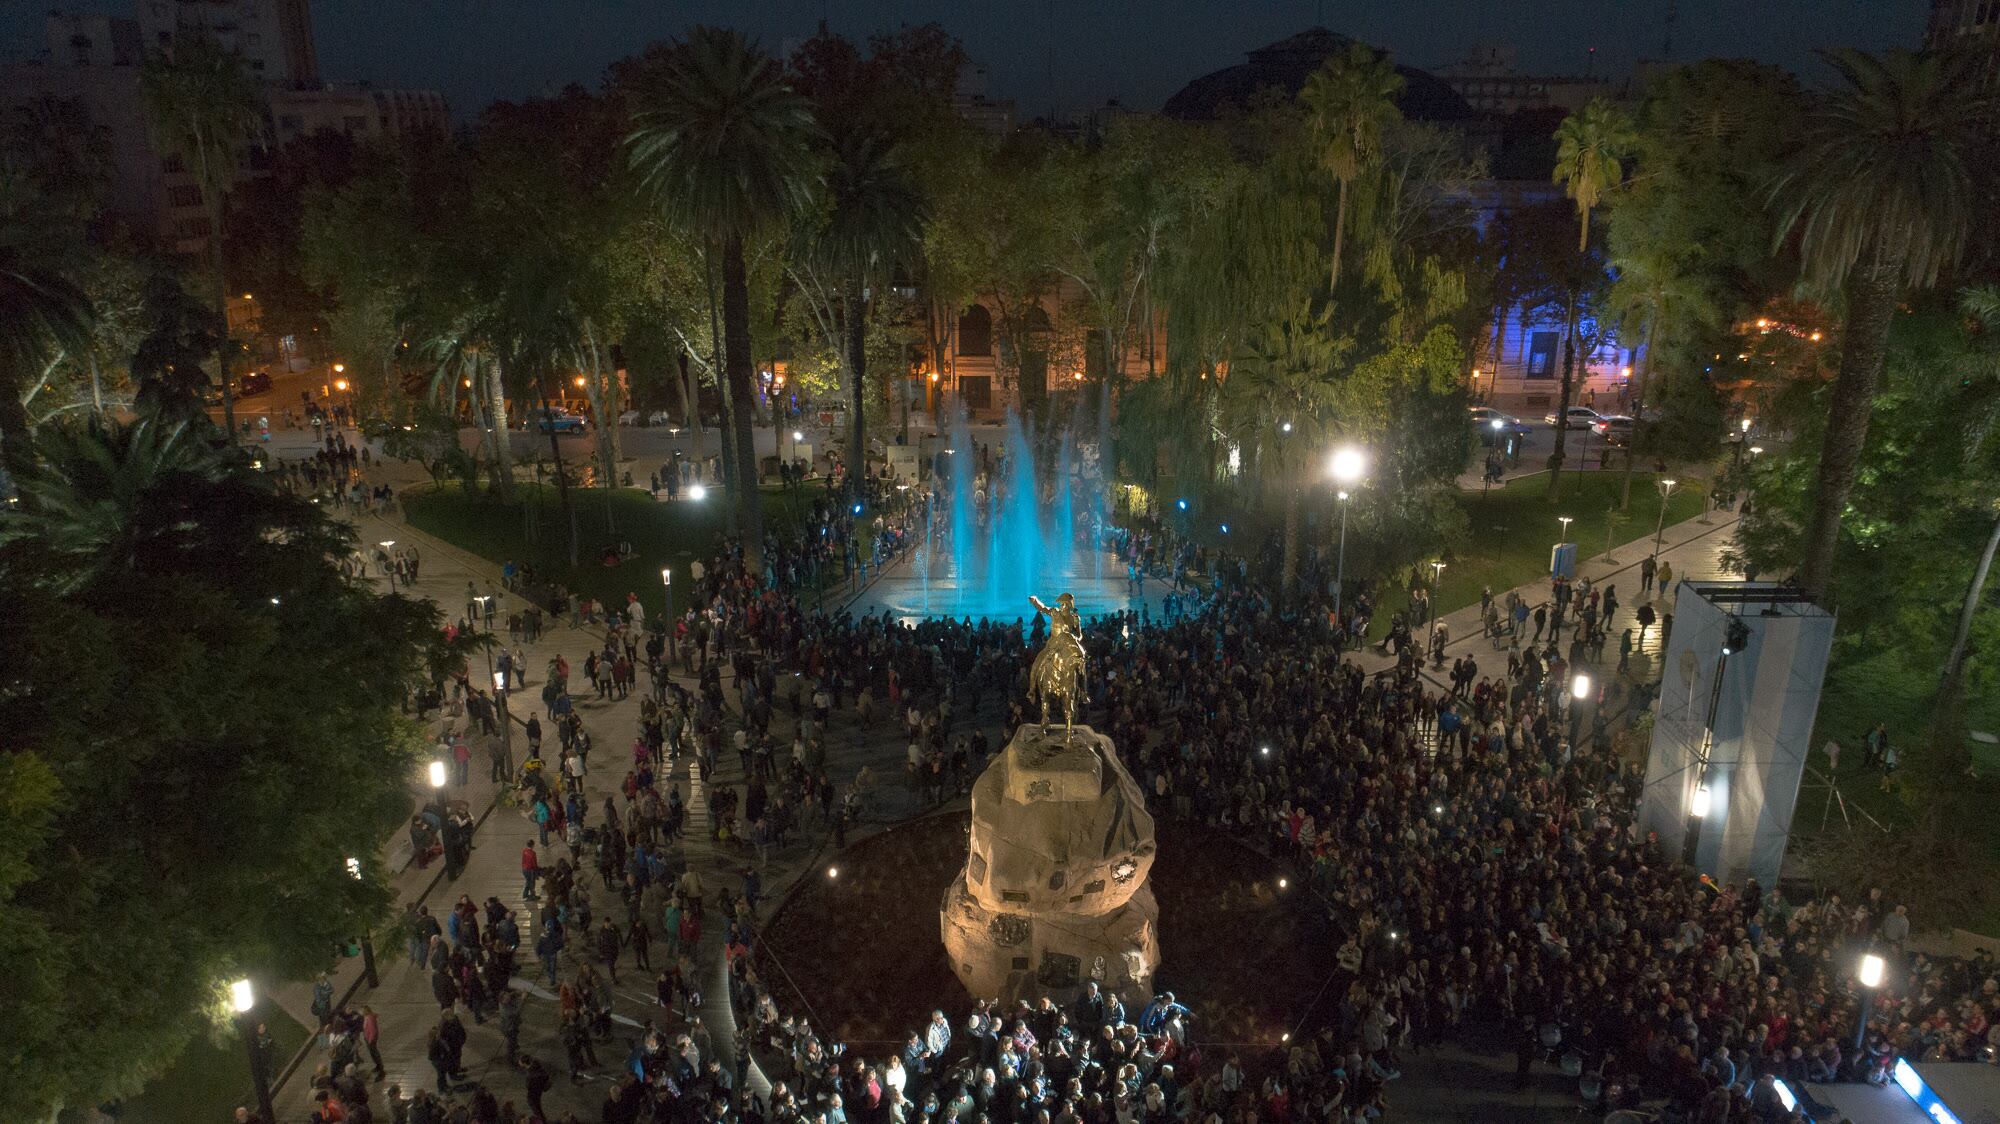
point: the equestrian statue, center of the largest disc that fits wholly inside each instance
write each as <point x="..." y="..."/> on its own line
<point x="1057" y="674"/>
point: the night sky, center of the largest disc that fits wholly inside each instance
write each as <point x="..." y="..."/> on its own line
<point x="1066" y="54"/>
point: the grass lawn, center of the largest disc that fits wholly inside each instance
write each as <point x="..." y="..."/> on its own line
<point x="531" y="529"/>
<point x="1516" y="525"/>
<point x="211" y="1078"/>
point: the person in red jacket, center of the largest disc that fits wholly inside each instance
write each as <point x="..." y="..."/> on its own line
<point x="531" y="868"/>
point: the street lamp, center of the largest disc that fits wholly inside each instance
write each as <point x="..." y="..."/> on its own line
<point x="242" y="997"/>
<point x="1437" y="575"/>
<point x="367" y="945"/>
<point x="1660" y="525"/>
<point x="667" y="579"/>
<point x="1347" y="467"/>
<point x="438" y="775"/>
<point x="1870" y="975"/>
<point x="1579" y="687"/>
<point x="1565" y="520"/>
<point x="697" y="492"/>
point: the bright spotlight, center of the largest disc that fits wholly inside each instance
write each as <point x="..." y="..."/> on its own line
<point x="1579" y="687"/>
<point x="1698" y="806"/>
<point x="697" y="492"/>
<point x="833" y="872"/>
<point x="1348" y="465"/>
<point x="1872" y="967"/>
<point x="437" y="774"/>
<point x="242" y="996"/>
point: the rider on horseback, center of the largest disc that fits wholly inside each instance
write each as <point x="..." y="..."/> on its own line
<point x="1058" y="670"/>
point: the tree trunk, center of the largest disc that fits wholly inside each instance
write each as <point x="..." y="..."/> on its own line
<point x="212" y="195"/>
<point x="96" y="386"/>
<point x="736" y="356"/>
<point x="856" y="313"/>
<point x="1952" y="682"/>
<point x="1562" y="402"/>
<point x="1638" y="410"/>
<point x="604" y="400"/>
<point x="1871" y="303"/>
<point x="1288" y="574"/>
<point x="1339" y="234"/>
<point x="503" y="460"/>
<point x="562" y="474"/>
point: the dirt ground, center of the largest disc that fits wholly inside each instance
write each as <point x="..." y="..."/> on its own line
<point x="858" y="951"/>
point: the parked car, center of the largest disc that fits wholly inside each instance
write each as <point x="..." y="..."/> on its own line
<point x="1493" y="425"/>
<point x="253" y="382"/>
<point x="1616" y="429"/>
<point x="1579" y="417"/>
<point x="558" y="421"/>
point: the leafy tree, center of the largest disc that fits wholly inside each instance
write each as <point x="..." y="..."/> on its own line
<point x="42" y="309"/>
<point x="1591" y="147"/>
<point x="204" y="108"/>
<point x="154" y="743"/>
<point x="1880" y="198"/>
<point x="719" y="141"/>
<point x="179" y="338"/>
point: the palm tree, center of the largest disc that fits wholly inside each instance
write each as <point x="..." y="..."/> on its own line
<point x="1352" y="99"/>
<point x="1652" y="295"/>
<point x="1591" y="146"/>
<point x="872" y="222"/>
<point x="722" y="144"/>
<point x="88" y="496"/>
<point x="204" y="105"/>
<point x="41" y="311"/>
<point x="1280" y="399"/>
<point x="1881" y="199"/>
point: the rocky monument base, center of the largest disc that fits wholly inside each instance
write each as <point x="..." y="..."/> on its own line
<point x="1053" y="893"/>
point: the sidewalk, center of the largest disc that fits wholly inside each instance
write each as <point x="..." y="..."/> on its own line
<point x="1693" y="548"/>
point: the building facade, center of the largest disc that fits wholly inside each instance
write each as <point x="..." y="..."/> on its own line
<point x="94" y="63"/>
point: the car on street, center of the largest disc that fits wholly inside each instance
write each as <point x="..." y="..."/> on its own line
<point x="1580" y="417"/>
<point x="253" y="382"/>
<point x="557" y="421"/>
<point x="1492" y="424"/>
<point x="1616" y="429"/>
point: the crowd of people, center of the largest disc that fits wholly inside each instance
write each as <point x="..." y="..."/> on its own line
<point x="1478" y="851"/>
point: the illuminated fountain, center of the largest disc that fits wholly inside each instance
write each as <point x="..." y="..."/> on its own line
<point x="994" y="538"/>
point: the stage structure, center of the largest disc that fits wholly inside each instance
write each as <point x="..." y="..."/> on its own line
<point x="1743" y="669"/>
<point x="1054" y="893"/>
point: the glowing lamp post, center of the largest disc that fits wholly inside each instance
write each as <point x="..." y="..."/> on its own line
<point x="1347" y="467"/>
<point x="1660" y="525"/>
<point x="367" y="945"/>
<point x="242" y="997"/>
<point x="1870" y="974"/>
<point x="667" y="580"/>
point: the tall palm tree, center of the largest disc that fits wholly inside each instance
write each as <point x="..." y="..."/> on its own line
<point x="722" y="143"/>
<point x="41" y="310"/>
<point x="204" y="106"/>
<point x="1881" y="198"/>
<point x="872" y="222"/>
<point x="1352" y="99"/>
<point x="1591" y="146"/>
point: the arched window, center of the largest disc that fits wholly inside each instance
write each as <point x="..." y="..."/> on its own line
<point x="975" y="331"/>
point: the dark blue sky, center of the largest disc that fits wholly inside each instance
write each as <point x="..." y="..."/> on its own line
<point x="1066" y="53"/>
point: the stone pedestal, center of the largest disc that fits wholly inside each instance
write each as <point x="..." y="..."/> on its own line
<point x="1054" y="891"/>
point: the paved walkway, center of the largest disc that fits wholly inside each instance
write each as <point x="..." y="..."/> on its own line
<point x="404" y="1001"/>
<point x="1692" y="548"/>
